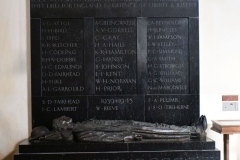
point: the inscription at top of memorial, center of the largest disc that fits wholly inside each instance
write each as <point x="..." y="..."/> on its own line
<point x="113" y="8"/>
<point x="115" y="56"/>
<point x="167" y="60"/>
<point x="62" y="57"/>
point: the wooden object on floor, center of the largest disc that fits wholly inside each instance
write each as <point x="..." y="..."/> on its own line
<point x="226" y="127"/>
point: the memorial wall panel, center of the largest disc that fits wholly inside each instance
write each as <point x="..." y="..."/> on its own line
<point x="117" y="59"/>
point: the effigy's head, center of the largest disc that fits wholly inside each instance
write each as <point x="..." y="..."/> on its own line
<point x="63" y="123"/>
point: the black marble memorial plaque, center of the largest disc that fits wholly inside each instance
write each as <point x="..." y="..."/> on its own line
<point x="48" y="108"/>
<point x="116" y="60"/>
<point x="115" y="56"/>
<point x="116" y="107"/>
<point x="118" y="57"/>
<point x="172" y="109"/>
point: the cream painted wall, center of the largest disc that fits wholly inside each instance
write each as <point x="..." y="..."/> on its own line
<point x="219" y="69"/>
<point x="14" y="117"/>
<point x="219" y="63"/>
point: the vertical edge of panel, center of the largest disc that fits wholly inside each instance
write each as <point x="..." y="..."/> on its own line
<point x="142" y="55"/>
<point x="89" y="58"/>
<point x="194" y="55"/>
<point x="36" y="57"/>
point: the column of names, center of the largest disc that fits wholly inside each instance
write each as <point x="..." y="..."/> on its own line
<point x="115" y="56"/>
<point x="62" y="57"/>
<point x="167" y="60"/>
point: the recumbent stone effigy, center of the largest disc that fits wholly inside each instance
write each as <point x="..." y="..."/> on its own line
<point x="129" y="66"/>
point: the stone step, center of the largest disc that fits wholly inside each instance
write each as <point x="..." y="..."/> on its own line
<point x="150" y="145"/>
<point x="126" y="155"/>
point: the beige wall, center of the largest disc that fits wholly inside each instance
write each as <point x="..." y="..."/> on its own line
<point x="13" y="76"/>
<point x="219" y="68"/>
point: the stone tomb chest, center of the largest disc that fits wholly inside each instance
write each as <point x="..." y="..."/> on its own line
<point x="116" y="60"/>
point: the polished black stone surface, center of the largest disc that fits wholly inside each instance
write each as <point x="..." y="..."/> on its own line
<point x="194" y="55"/>
<point x="172" y="109"/>
<point x="116" y="107"/>
<point x="147" y="155"/>
<point x="168" y="54"/>
<point x="115" y="56"/>
<point x="35" y="57"/>
<point x="130" y="60"/>
<point x="62" y="57"/>
<point x="150" y="145"/>
<point x="119" y="8"/>
<point x="48" y="108"/>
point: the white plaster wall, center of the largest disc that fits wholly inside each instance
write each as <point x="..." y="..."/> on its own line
<point x="220" y="63"/>
<point x="219" y="69"/>
<point x="13" y="76"/>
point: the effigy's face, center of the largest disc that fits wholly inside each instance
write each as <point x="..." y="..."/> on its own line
<point x="63" y="123"/>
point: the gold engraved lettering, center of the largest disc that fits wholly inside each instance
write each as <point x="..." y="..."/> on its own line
<point x="111" y="45"/>
<point x="160" y="44"/>
<point x="178" y="107"/>
<point x="60" y="67"/>
<point x="107" y="37"/>
<point x="112" y="88"/>
<point x="60" y="52"/>
<point x="163" y="100"/>
<point x="56" y="23"/>
<point x="164" y="80"/>
<point x="64" y="101"/>
<point x="109" y="59"/>
<point x="52" y="81"/>
<point x="113" y="66"/>
<point x="59" y="45"/>
<point x="64" y="89"/>
<point x="158" y="5"/>
<point x="110" y="108"/>
<point x="170" y="66"/>
<point x="165" y="51"/>
<point x="61" y="74"/>
<point x="162" y="30"/>
<point x="186" y="5"/>
<point x="168" y="87"/>
<point x="164" y="37"/>
<point x="115" y="23"/>
<point x="115" y="52"/>
<point x="116" y="81"/>
<point x="59" y="60"/>
<point x="161" y="58"/>
<point x="65" y="109"/>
